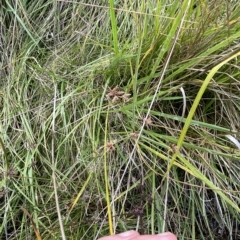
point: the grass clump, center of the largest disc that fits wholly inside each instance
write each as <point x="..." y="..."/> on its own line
<point x="119" y="115"/>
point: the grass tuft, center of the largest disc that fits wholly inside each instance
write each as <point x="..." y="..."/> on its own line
<point x="119" y="115"/>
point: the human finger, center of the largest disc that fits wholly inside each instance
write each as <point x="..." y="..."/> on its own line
<point x="162" y="236"/>
<point x="122" y="236"/>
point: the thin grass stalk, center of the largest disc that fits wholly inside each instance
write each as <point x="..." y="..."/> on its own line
<point x="114" y="26"/>
<point x="138" y="64"/>
<point x="153" y="203"/>
<point x="53" y="166"/>
<point x="165" y="205"/>
<point x="109" y="212"/>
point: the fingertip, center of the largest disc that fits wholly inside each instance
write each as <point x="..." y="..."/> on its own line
<point x="130" y="233"/>
<point x="167" y="236"/>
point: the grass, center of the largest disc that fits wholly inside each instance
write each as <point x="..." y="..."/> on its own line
<point x="119" y="115"/>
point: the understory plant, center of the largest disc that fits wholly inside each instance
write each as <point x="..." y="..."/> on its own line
<point x="119" y="115"/>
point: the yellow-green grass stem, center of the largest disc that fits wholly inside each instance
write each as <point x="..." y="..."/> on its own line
<point x="106" y="179"/>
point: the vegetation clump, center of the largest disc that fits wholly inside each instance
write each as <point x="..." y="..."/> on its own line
<point x="119" y="115"/>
